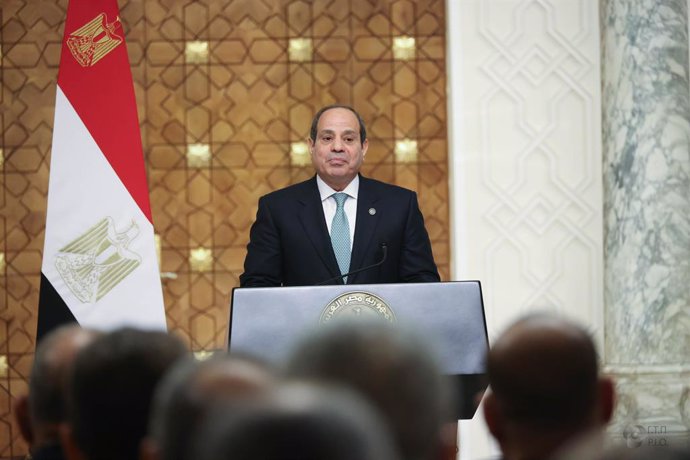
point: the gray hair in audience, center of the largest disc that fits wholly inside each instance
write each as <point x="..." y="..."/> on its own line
<point x="392" y="367"/>
<point x="299" y="421"/>
<point x="191" y="388"/>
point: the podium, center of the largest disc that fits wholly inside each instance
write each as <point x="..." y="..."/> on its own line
<point x="267" y="323"/>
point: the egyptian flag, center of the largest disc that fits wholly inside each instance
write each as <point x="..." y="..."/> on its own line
<point x="100" y="267"/>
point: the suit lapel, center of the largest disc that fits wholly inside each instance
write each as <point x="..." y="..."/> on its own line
<point x="365" y="227"/>
<point x="314" y="224"/>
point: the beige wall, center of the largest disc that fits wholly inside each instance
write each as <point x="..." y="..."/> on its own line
<point x="526" y="157"/>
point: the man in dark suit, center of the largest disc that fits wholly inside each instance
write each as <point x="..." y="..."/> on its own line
<point x="338" y="221"/>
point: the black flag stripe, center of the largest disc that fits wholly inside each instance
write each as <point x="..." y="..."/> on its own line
<point x="52" y="310"/>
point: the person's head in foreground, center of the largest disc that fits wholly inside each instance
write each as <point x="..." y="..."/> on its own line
<point x="190" y="390"/>
<point x="297" y="421"/>
<point x="392" y="368"/>
<point x="110" y="391"/>
<point x="42" y="411"/>
<point x="546" y="390"/>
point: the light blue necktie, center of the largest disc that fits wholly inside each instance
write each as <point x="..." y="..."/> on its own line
<point x="340" y="234"/>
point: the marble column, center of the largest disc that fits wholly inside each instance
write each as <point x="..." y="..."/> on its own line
<point x="646" y="144"/>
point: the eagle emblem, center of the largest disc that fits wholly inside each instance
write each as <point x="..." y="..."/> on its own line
<point x="98" y="260"/>
<point x="94" y="40"/>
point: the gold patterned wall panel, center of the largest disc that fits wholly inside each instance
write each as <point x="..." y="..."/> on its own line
<point x="30" y="34"/>
<point x="225" y="90"/>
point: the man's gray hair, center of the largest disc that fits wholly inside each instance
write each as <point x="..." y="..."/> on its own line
<point x="393" y="368"/>
<point x="187" y="392"/>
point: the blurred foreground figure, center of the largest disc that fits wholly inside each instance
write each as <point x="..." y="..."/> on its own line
<point x="392" y="368"/>
<point x="41" y="412"/>
<point x="297" y="421"/>
<point x="546" y="391"/>
<point x="675" y="452"/>
<point x="189" y="391"/>
<point x="110" y="392"/>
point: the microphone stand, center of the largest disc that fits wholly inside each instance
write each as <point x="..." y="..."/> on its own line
<point x="384" y="248"/>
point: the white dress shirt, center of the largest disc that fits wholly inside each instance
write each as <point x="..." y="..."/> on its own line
<point x="329" y="204"/>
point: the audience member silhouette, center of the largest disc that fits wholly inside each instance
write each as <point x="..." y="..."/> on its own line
<point x="546" y="390"/>
<point x="40" y="413"/>
<point x="97" y="390"/>
<point x="392" y="368"/>
<point x="297" y="421"/>
<point x="109" y="395"/>
<point x="189" y="390"/>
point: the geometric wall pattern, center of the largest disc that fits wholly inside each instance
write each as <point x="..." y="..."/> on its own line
<point x="531" y="147"/>
<point x="527" y="197"/>
<point x="225" y="90"/>
<point x="527" y="190"/>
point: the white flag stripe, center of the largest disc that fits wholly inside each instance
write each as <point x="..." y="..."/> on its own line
<point x="84" y="190"/>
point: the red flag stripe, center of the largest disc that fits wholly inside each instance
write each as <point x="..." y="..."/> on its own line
<point x="103" y="97"/>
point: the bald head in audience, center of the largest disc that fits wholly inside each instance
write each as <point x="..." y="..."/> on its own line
<point x="392" y="368"/>
<point x="189" y="390"/>
<point x="41" y="412"/>
<point x="546" y="390"/>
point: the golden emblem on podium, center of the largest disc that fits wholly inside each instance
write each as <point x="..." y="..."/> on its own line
<point x="98" y="260"/>
<point x="91" y="42"/>
<point x="357" y="304"/>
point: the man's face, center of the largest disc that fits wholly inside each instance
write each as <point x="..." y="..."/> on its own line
<point x="337" y="153"/>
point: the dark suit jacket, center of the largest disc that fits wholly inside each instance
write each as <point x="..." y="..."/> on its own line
<point x="49" y="452"/>
<point x="289" y="243"/>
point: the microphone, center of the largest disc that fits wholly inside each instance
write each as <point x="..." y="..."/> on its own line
<point x="384" y="248"/>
